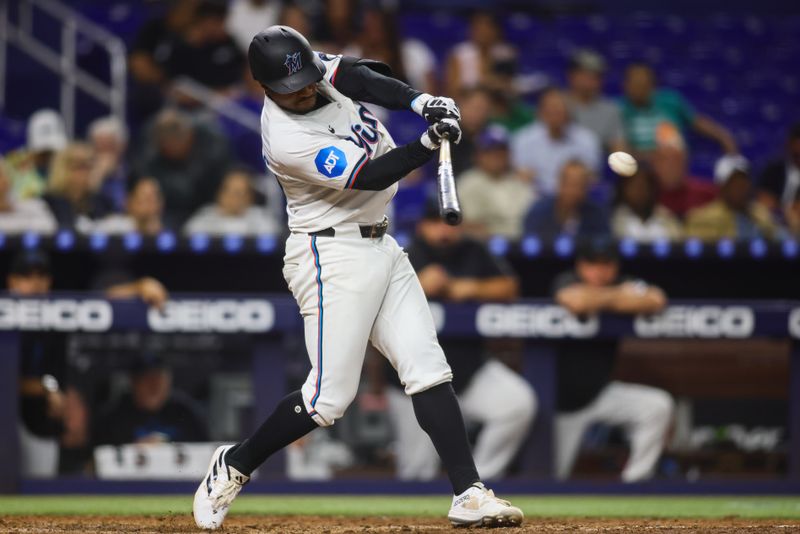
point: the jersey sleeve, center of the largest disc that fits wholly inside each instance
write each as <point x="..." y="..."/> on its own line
<point x="325" y="161"/>
<point x="331" y="63"/>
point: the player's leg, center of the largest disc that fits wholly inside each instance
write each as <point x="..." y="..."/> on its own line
<point x="645" y="412"/>
<point x="338" y="298"/>
<point x="415" y="454"/>
<point x="505" y="404"/>
<point x="568" y="431"/>
<point x="404" y="332"/>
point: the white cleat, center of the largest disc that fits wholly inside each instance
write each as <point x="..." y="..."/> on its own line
<point x="217" y="491"/>
<point x="478" y="507"/>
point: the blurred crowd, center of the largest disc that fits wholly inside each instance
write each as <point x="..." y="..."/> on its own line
<point x="532" y="160"/>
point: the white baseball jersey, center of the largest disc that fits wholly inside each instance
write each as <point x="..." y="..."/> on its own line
<point x="317" y="157"/>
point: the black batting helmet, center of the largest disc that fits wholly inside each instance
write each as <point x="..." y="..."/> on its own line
<point x="282" y="59"/>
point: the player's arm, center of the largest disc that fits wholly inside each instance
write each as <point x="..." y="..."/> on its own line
<point x="385" y="170"/>
<point x="630" y="297"/>
<point x="371" y="81"/>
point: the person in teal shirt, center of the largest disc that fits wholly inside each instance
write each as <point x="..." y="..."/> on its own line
<point x="654" y="116"/>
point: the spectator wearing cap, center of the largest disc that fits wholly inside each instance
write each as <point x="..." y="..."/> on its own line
<point x="30" y="167"/>
<point x="453" y="267"/>
<point x="151" y="411"/>
<point x="69" y="193"/>
<point x="493" y="197"/>
<point x="570" y="211"/>
<point x="144" y="211"/>
<point x="43" y="372"/>
<point x="234" y="211"/>
<point x="545" y="146"/>
<point x="22" y="215"/>
<point x="587" y="393"/>
<point x="637" y="215"/>
<point x="587" y="104"/>
<point x="678" y="191"/>
<point x="109" y="139"/>
<point x="734" y="215"/>
<point x="189" y="160"/>
<point x="654" y="115"/>
<point x="779" y="183"/>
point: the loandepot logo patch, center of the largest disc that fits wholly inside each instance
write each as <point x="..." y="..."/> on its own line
<point x="331" y="161"/>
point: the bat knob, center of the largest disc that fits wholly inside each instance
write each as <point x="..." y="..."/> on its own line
<point x="452" y="217"/>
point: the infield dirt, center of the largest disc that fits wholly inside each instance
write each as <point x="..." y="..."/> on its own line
<point x="365" y="525"/>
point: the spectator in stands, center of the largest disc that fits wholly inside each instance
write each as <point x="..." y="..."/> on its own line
<point x="109" y="139"/>
<point x="70" y="195"/>
<point x="205" y="52"/>
<point x="678" y="191"/>
<point x="248" y="17"/>
<point x="19" y="216"/>
<point x="411" y="60"/>
<point x="152" y="411"/>
<point x="587" y="104"/>
<point x="144" y="210"/>
<point x="453" y="267"/>
<point x="586" y="392"/>
<point x="151" y="54"/>
<point x="493" y="197"/>
<point x="637" y="215"/>
<point x="484" y="59"/>
<point x="234" y="212"/>
<point x="791" y="215"/>
<point x="476" y="108"/>
<point x="780" y="179"/>
<point x="653" y="116"/>
<point x="188" y="158"/>
<point x="569" y="211"/>
<point x="733" y="215"/>
<point x="30" y="167"/>
<point x="545" y="146"/>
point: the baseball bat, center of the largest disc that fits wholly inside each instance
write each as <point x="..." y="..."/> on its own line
<point x="449" y="208"/>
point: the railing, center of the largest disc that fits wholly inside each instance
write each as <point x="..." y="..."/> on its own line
<point x="20" y="32"/>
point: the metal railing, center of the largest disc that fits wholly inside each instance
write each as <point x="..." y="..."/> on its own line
<point x="20" y="33"/>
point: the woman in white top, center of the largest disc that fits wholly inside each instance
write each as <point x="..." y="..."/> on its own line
<point x="637" y="215"/>
<point x="233" y="212"/>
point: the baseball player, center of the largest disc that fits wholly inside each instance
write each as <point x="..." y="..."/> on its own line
<point x="339" y="168"/>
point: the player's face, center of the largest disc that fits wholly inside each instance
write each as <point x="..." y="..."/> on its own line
<point x="600" y="273"/>
<point x="300" y="101"/>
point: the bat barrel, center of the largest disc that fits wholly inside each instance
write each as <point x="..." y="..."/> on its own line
<point x="449" y="207"/>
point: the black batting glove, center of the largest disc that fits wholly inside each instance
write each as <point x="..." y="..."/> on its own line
<point x="439" y="108"/>
<point x="445" y="128"/>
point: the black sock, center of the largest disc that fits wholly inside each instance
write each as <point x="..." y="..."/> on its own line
<point x="439" y="415"/>
<point x="287" y="423"/>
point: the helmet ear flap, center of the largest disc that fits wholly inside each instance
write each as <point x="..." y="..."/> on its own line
<point x="282" y="60"/>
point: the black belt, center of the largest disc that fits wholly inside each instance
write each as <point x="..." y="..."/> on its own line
<point x="367" y="231"/>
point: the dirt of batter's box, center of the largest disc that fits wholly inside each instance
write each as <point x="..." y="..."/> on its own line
<point x="366" y="525"/>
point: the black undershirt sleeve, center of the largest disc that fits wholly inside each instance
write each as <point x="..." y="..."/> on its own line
<point x="383" y="171"/>
<point x="370" y="81"/>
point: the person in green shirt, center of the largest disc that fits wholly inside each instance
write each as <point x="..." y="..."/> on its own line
<point x="654" y="116"/>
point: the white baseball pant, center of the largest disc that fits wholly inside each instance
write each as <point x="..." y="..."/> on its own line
<point x="644" y="412"/>
<point x="351" y="290"/>
<point x="497" y="397"/>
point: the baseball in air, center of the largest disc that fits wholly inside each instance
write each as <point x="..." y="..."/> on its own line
<point x="622" y="163"/>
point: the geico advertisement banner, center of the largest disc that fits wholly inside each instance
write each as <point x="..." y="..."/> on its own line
<point x="62" y="315"/>
<point x="698" y="321"/>
<point x="525" y="320"/>
<point x="222" y="316"/>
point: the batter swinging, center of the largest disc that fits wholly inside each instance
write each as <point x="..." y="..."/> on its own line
<point x="339" y="168"/>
